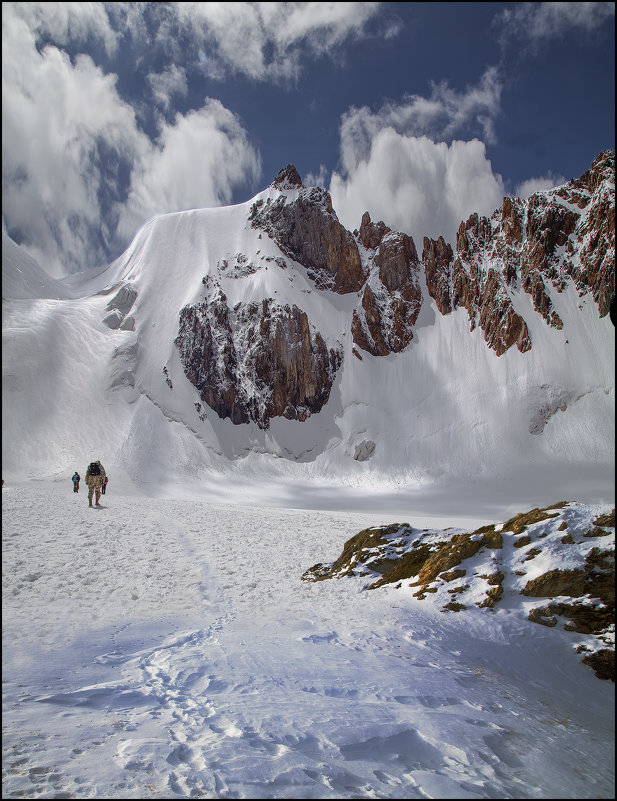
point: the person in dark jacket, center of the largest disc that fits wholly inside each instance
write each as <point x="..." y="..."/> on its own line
<point x="104" y="485"/>
<point x="75" y="479"/>
<point x="95" y="475"/>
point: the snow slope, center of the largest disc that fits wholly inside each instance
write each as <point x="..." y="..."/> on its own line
<point x="445" y="413"/>
<point x="166" y="648"/>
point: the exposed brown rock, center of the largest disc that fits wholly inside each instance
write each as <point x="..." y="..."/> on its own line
<point x="606" y="520"/>
<point x="437" y="259"/>
<point x="372" y="233"/>
<point x="453" y="574"/>
<point x="367" y="327"/>
<point x="557" y="582"/>
<point x="288" y="178"/>
<point x="542" y="616"/>
<point x="603" y="663"/>
<point x="451" y="553"/>
<point x="392" y="298"/>
<point x="597" y="233"/>
<point x="483" y="293"/>
<point x="308" y="230"/>
<point x="271" y="348"/>
<point x="519" y="523"/>
<point x="502" y="326"/>
<point x="584" y="598"/>
<point x="453" y="606"/>
<point x="564" y="233"/>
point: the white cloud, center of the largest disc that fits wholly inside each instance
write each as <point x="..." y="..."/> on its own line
<point x="67" y="140"/>
<point x="527" y="188"/>
<point x="171" y="81"/>
<point x="403" y="165"/>
<point x="443" y="115"/>
<point x="67" y="22"/>
<point x="79" y="174"/>
<point x="418" y="186"/>
<point x="57" y="119"/>
<point x="267" y="41"/>
<point x="533" y="22"/>
<point x="195" y="162"/>
<point x="317" y="179"/>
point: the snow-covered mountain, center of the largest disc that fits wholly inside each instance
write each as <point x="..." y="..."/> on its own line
<point x="264" y="340"/>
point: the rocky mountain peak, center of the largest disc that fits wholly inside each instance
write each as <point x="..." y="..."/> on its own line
<point x="307" y="230"/>
<point x="564" y="234"/>
<point x="372" y="233"/>
<point x="288" y="178"/>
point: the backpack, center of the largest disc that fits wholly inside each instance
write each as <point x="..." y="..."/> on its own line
<point x="94" y="469"/>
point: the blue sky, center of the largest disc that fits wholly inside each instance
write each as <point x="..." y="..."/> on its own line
<point x="420" y="113"/>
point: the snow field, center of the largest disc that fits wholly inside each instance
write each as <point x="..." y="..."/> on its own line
<point x="167" y="648"/>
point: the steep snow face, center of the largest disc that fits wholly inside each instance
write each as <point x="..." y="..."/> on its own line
<point x="100" y="372"/>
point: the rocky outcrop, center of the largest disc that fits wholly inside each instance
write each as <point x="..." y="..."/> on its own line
<point x="391" y="301"/>
<point x="288" y="178"/>
<point x="370" y="233"/>
<point x="596" y="232"/>
<point x="493" y="562"/>
<point x="482" y="290"/>
<point x="255" y="361"/>
<point x="437" y="258"/>
<point x="308" y="230"/>
<point x="537" y="245"/>
<point x="119" y="307"/>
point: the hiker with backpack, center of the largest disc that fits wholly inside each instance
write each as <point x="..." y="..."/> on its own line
<point x="75" y="479"/>
<point x="95" y="475"/>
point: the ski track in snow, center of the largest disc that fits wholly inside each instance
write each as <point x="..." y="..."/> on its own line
<point x="165" y="649"/>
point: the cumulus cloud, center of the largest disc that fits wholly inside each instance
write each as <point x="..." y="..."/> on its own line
<point x="79" y="175"/>
<point x="58" y="119"/>
<point x="534" y="22"/>
<point x="443" y="115"/>
<point x="527" y="188"/>
<point x="418" y="186"/>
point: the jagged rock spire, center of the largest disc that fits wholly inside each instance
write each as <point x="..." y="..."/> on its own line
<point x="287" y="178"/>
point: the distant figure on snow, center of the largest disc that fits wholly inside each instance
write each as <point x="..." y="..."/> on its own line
<point x="95" y="475"/>
<point x="75" y="479"/>
<point x="104" y="486"/>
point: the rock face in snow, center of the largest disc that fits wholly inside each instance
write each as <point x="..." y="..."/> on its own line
<point x="564" y="552"/>
<point x="308" y="230"/>
<point x="565" y="233"/>
<point x="391" y="300"/>
<point x="256" y="361"/>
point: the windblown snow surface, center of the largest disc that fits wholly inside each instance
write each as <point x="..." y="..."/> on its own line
<point x="165" y="646"/>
